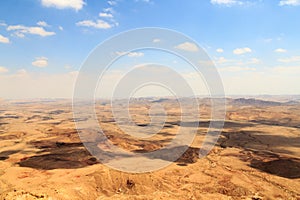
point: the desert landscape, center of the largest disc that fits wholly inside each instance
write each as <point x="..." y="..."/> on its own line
<point x="149" y="100"/>
<point x="256" y="157"/>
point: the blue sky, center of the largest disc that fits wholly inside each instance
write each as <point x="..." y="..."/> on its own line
<point x="47" y="40"/>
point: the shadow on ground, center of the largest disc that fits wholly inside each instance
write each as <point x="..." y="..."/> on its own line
<point x="63" y="155"/>
<point x="58" y="155"/>
<point x="267" y="153"/>
<point x="5" y="154"/>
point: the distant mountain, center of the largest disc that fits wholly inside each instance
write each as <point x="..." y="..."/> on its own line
<point x="254" y="102"/>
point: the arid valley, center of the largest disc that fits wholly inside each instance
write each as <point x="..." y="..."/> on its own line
<point x="256" y="157"/>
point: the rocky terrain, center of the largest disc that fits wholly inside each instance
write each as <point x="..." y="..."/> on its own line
<point x="256" y="157"/>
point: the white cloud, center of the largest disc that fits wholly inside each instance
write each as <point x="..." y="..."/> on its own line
<point x="135" y="54"/>
<point x="106" y="15"/>
<point x="289" y="3"/>
<point x="61" y="28"/>
<point x="3" y="24"/>
<point x="226" y="2"/>
<point x="121" y="53"/>
<point x="187" y="46"/>
<point x="3" y="69"/>
<point x="19" y="34"/>
<point x="4" y="39"/>
<point x="108" y="10"/>
<point x="156" y="40"/>
<point x="150" y="67"/>
<point x="145" y="1"/>
<point x="279" y="50"/>
<point x="40" y="62"/>
<point x="269" y="40"/>
<point x="20" y="31"/>
<point x="42" y="23"/>
<point x="219" y="50"/>
<point x="222" y="60"/>
<point x="289" y="60"/>
<point x="130" y="54"/>
<point x="99" y="24"/>
<point x="112" y="3"/>
<point x="240" y="51"/>
<point x="63" y="4"/>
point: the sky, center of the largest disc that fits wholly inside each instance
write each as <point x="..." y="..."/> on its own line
<point x="253" y="44"/>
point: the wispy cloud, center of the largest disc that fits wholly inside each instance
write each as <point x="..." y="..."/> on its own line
<point x="145" y="1"/>
<point x="130" y="54"/>
<point x="99" y="24"/>
<point x="226" y="2"/>
<point x="135" y="54"/>
<point x="107" y="13"/>
<point x="106" y="22"/>
<point x="280" y="50"/>
<point x="112" y="3"/>
<point x="289" y="3"/>
<point x="187" y="46"/>
<point x="219" y="50"/>
<point x="103" y="14"/>
<point x="108" y="10"/>
<point x="239" y="51"/>
<point x="42" y="23"/>
<point x="63" y="4"/>
<point x="4" y="39"/>
<point x="156" y="40"/>
<point x="230" y="3"/>
<point x="223" y="60"/>
<point x="21" y="31"/>
<point x="40" y="62"/>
